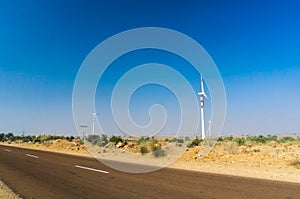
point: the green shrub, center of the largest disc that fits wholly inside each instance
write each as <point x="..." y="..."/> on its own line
<point x="116" y="139"/>
<point x="144" y="150"/>
<point x="70" y="138"/>
<point x="221" y="139"/>
<point x="158" y="153"/>
<point x="180" y="141"/>
<point x="196" y="142"/>
<point x="45" y="138"/>
<point x="93" y="139"/>
<point x="26" y="138"/>
<point x="177" y="140"/>
<point x="36" y="139"/>
<point x="143" y="140"/>
<point x="286" y="139"/>
<point x="240" y="141"/>
<point x="57" y="137"/>
<point x="100" y="143"/>
<point x="154" y="146"/>
<point x="272" y="137"/>
<point x="258" y="139"/>
<point x="153" y="141"/>
<point x="104" y="139"/>
<point x="97" y="140"/>
<point x="81" y="142"/>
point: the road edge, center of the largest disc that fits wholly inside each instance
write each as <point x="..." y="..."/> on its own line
<point x="7" y="193"/>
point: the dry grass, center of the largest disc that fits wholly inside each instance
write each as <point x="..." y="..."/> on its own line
<point x="296" y="164"/>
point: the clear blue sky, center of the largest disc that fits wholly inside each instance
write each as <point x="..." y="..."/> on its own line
<point x="255" y="44"/>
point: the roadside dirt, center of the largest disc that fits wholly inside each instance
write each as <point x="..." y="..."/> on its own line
<point x="274" y="161"/>
<point x="6" y="193"/>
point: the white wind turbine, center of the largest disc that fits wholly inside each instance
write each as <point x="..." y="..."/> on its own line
<point x="94" y="119"/>
<point x="202" y="95"/>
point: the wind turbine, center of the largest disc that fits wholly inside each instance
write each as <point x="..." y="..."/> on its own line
<point x="83" y="131"/>
<point x="202" y="95"/>
<point x="94" y="119"/>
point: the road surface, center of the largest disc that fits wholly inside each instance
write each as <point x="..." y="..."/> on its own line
<point x="43" y="175"/>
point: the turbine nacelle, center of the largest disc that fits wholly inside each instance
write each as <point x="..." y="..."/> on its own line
<point x="202" y="94"/>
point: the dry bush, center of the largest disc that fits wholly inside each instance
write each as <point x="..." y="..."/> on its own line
<point x="296" y="164"/>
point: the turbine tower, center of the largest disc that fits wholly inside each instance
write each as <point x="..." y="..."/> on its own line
<point x="83" y="131"/>
<point x="202" y="95"/>
<point x="94" y="119"/>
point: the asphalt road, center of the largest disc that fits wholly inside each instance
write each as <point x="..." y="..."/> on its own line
<point x="43" y="175"/>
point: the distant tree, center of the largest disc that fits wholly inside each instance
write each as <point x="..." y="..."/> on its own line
<point x="104" y="140"/>
<point x="10" y="136"/>
<point x="27" y="138"/>
<point x="36" y="139"/>
<point x="2" y="137"/>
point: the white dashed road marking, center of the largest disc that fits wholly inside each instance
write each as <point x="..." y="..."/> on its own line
<point x="7" y="150"/>
<point x="32" y="156"/>
<point x="91" y="169"/>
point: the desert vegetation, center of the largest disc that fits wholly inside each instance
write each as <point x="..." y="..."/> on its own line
<point x="143" y="145"/>
<point x="258" y="139"/>
<point x="51" y="142"/>
<point x="10" y="137"/>
<point x="157" y="146"/>
<point x="147" y="144"/>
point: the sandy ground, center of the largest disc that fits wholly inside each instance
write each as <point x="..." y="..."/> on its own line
<point x="6" y="193"/>
<point x="267" y="161"/>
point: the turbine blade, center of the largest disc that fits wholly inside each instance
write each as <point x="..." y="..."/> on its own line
<point x="202" y="86"/>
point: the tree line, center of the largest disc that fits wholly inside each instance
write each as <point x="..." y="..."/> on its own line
<point x="32" y="138"/>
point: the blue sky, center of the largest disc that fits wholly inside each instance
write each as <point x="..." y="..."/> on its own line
<point x="255" y="44"/>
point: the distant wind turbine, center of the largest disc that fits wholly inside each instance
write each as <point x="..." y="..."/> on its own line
<point x="83" y="131"/>
<point x="94" y="119"/>
<point x="202" y="95"/>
